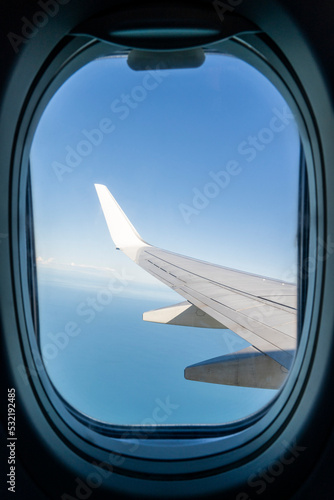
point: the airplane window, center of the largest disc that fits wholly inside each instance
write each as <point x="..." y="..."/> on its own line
<point x="165" y="207"/>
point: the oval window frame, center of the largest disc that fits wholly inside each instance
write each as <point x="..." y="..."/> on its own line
<point x="315" y="300"/>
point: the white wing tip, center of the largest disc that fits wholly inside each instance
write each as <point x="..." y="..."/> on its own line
<point x="122" y="232"/>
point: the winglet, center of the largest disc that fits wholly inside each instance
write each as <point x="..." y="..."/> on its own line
<point x="122" y="232"/>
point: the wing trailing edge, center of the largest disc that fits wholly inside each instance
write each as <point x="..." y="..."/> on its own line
<point x="183" y="314"/>
<point x="246" y="368"/>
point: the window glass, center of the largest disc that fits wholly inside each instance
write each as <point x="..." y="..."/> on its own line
<point x="205" y="163"/>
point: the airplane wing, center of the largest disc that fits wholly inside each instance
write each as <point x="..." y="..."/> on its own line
<point x="260" y="310"/>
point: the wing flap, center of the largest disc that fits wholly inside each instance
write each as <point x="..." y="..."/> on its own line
<point x="183" y="314"/>
<point x="246" y="368"/>
<point x="253" y="332"/>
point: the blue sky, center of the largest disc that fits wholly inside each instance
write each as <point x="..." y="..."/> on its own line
<point x="203" y="161"/>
